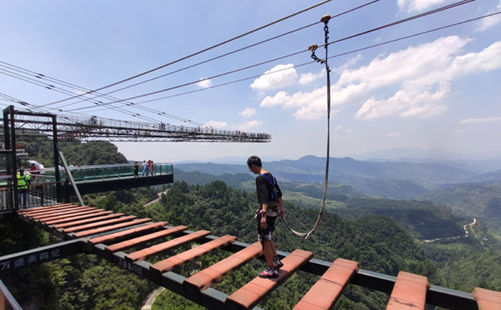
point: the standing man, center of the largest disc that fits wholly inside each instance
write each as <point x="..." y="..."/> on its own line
<point x="145" y="166"/>
<point x="269" y="198"/>
<point x="23" y="181"/>
<point x="136" y="169"/>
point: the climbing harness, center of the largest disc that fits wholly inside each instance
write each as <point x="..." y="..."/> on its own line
<point x="325" y="19"/>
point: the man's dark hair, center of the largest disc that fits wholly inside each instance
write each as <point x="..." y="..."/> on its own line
<point x="254" y="160"/>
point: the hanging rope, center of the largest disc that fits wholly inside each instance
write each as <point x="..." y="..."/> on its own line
<point x="325" y="19"/>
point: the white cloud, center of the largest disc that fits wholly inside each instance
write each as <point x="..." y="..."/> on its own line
<point x="205" y="83"/>
<point x="394" y="134"/>
<point x="216" y="124"/>
<point x="406" y="103"/>
<point x="284" y="76"/>
<point x="413" y="82"/>
<point x="424" y="75"/>
<point x="417" y="5"/>
<point x="307" y="78"/>
<point x="489" y="22"/>
<point x="248" y="125"/>
<point x="481" y="120"/>
<point x="248" y="112"/>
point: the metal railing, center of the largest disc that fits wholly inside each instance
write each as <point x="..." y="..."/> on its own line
<point x="93" y="172"/>
<point x="7" y="301"/>
<point x="38" y="194"/>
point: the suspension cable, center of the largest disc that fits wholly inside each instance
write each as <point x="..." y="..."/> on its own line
<point x="41" y="77"/>
<point x="200" y="52"/>
<point x="228" y="53"/>
<point x="430" y="12"/>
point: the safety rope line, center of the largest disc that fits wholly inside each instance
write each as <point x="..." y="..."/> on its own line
<point x="325" y="19"/>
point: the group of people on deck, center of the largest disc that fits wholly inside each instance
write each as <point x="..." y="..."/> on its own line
<point x="148" y="168"/>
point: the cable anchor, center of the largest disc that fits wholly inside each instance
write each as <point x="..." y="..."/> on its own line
<point x="325" y="19"/>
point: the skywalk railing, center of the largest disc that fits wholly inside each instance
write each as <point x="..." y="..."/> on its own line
<point x="38" y="194"/>
<point x="94" y="172"/>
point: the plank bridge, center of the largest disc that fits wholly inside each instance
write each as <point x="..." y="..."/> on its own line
<point x="124" y="241"/>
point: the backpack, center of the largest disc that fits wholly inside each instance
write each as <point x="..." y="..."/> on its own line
<point x="274" y="192"/>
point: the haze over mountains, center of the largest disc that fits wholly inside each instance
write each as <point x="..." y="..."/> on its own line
<point x="376" y="187"/>
<point x="386" y="179"/>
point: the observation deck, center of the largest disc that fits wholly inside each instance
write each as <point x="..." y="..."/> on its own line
<point x="89" y="179"/>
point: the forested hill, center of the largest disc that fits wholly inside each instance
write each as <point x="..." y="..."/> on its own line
<point x="75" y="152"/>
<point x="481" y="200"/>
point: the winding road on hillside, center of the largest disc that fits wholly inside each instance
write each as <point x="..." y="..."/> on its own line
<point x="154" y="294"/>
<point x="465" y="226"/>
<point x="159" y="195"/>
<point x="151" y="298"/>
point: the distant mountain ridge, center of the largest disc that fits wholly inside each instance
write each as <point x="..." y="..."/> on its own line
<point x="386" y="179"/>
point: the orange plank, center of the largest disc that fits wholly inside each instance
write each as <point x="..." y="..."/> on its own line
<point x="132" y="242"/>
<point x="127" y="232"/>
<point x="409" y="292"/>
<point x="3" y="301"/>
<point x="164" y="246"/>
<point x="108" y="228"/>
<point x="68" y="215"/>
<point x="61" y="223"/>
<point x="324" y="293"/>
<point x="487" y="299"/>
<point x="51" y="211"/>
<point x="51" y="208"/>
<point x="43" y="217"/>
<point x="44" y="208"/>
<point x="98" y="224"/>
<point x="250" y="294"/>
<point x="203" y="279"/>
<point x="171" y="262"/>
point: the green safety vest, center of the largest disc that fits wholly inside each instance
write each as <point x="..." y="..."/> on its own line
<point x="22" y="181"/>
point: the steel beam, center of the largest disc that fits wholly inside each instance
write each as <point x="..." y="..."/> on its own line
<point x="40" y="255"/>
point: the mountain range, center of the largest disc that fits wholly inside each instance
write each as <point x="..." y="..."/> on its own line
<point x="385" y="179"/>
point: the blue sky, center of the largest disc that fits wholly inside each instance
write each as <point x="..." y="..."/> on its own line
<point x="436" y="91"/>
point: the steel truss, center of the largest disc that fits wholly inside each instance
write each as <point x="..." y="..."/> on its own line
<point x="94" y="128"/>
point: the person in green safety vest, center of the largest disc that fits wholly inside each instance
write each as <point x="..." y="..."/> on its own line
<point x="23" y="183"/>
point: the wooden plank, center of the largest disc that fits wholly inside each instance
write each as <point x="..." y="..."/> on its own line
<point x="487" y="299"/>
<point x="61" y="223"/>
<point x="68" y="215"/>
<point x="128" y="232"/>
<point x="98" y="224"/>
<point x="44" y="208"/>
<point x="324" y="293"/>
<point x="250" y="294"/>
<point x="171" y="262"/>
<point x="64" y="213"/>
<point x="164" y="246"/>
<point x="136" y="241"/>
<point x="52" y="209"/>
<point x="203" y="279"/>
<point x="3" y="301"/>
<point x="48" y="212"/>
<point x="409" y="292"/>
<point x="86" y="233"/>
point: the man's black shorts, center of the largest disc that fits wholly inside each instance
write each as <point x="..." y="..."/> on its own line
<point x="265" y="234"/>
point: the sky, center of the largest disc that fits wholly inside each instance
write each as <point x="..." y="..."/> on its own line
<point x="438" y="92"/>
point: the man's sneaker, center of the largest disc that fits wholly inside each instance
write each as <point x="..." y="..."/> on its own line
<point x="277" y="263"/>
<point x="270" y="272"/>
